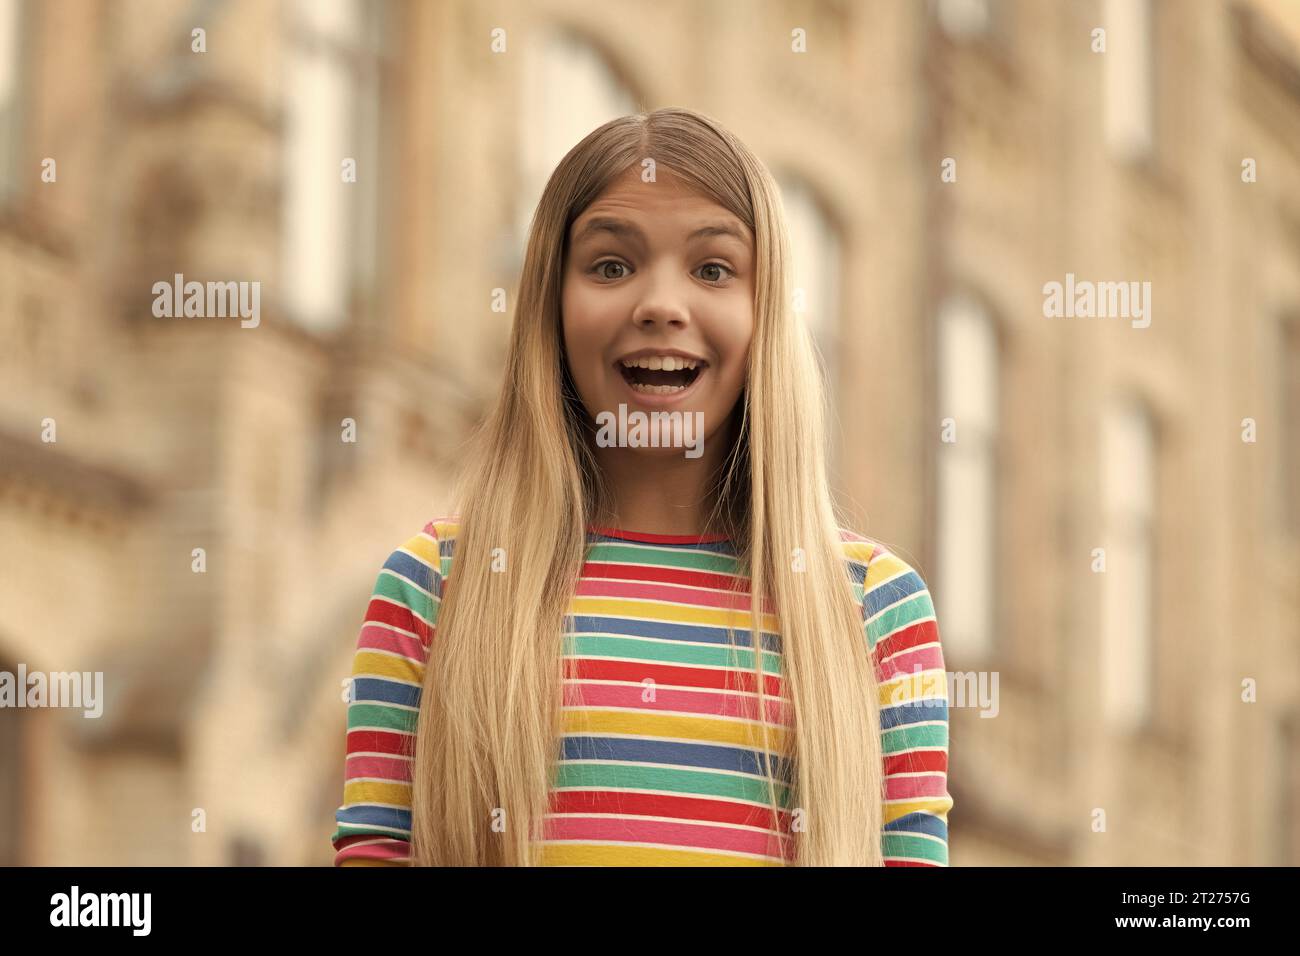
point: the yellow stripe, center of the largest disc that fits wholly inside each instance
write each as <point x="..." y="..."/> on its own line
<point x="582" y="854"/>
<point x="739" y="732"/>
<point x="884" y="567"/>
<point x="717" y="617"/>
<point x="368" y="663"/>
<point x="859" y="551"/>
<point x="372" y="791"/>
<point x="935" y="806"/>
<point x="908" y="688"/>
<point x="424" y="549"/>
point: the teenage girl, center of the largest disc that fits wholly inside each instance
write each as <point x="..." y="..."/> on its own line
<point x="570" y="670"/>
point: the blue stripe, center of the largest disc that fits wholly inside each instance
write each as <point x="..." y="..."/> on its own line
<point x="364" y="815"/>
<point x="697" y="633"/>
<point x="411" y="568"/>
<point x="913" y="712"/>
<point x="702" y="756"/>
<point x="722" y="547"/>
<point x="379" y="690"/>
<point x="891" y="592"/>
<point x="917" y="822"/>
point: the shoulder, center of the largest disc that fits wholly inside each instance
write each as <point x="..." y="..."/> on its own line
<point x="413" y="572"/>
<point x="895" y="598"/>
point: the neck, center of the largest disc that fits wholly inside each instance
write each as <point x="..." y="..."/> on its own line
<point x="661" y="493"/>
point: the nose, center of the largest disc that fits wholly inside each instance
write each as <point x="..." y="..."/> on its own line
<point x="661" y="307"/>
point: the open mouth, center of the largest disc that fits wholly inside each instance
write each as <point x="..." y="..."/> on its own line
<point x="661" y="375"/>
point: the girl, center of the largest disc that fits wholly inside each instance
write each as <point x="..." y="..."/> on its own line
<point x="572" y="671"/>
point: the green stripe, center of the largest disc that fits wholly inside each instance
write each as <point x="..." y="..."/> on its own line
<point x="913" y="609"/>
<point x="353" y="829"/>
<point x="667" y="652"/>
<point x="381" y="715"/>
<point x="915" y="847"/>
<point x="399" y="589"/>
<point x="692" y="782"/>
<point x="907" y="736"/>
<point x="670" y="558"/>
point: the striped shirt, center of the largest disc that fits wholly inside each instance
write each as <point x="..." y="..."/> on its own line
<point x="660" y="764"/>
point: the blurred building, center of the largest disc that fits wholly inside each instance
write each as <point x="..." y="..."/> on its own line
<point x="202" y="530"/>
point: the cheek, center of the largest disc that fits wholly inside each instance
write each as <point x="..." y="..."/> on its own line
<point x="583" y="349"/>
<point x="737" y="357"/>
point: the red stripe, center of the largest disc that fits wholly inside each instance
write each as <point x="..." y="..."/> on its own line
<point x="596" y="668"/>
<point x="922" y="632"/>
<point x="921" y="761"/>
<point x="378" y="741"/>
<point x="646" y="572"/>
<point x="889" y="862"/>
<point x="661" y="805"/>
<point x="380" y="611"/>
<point x="649" y="538"/>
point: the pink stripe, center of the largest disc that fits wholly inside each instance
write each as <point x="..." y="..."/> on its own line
<point x="710" y="703"/>
<point x="630" y="830"/>
<point x="383" y="850"/>
<point x="925" y="658"/>
<point x="373" y="636"/>
<point x="910" y="788"/>
<point x="642" y="591"/>
<point x="389" y="768"/>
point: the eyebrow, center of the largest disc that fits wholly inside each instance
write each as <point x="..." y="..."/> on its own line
<point x="623" y="229"/>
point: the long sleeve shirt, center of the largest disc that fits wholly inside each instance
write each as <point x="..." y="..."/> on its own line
<point x="670" y="777"/>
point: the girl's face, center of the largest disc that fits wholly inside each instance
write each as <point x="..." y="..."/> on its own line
<point x="658" y="301"/>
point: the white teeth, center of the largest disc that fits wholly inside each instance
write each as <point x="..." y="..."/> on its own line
<point x="657" y="389"/>
<point x="667" y="363"/>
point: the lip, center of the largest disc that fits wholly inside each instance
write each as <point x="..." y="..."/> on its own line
<point x="649" y="400"/>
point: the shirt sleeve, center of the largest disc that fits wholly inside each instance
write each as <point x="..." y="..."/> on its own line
<point x="374" y="822"/>
<point x="903" y="635"/>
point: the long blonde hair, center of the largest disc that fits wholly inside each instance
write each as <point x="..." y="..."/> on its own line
<point x="490" y="721"/>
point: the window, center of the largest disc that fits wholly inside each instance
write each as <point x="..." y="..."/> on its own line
<point x="1127" y="639"/>
<point x="815" y="270"/>
<point x="1288" y="457"/>
<point x="961" y="19"/>
<point x="1128" y="75"/>
<point x="568" y="90"/>
<point x="967" y="478"/>
<point x="10" y="95"/>
<point x="332" y="97"/>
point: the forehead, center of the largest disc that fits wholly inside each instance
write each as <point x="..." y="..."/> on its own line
<point x="664" y="206"/>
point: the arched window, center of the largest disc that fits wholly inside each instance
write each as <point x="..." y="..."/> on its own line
<point x="815" y="269"/>
<point x="568" y="90"/>
<point x="10" y="94"/>
<point x="332" y="63"/>
<point x="1128" y="77"/>
<point x="967" y="521"/>
<point x="963" y="18"/>
<point x="1288" y="399"/>
<point x="1127" y="639"/>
